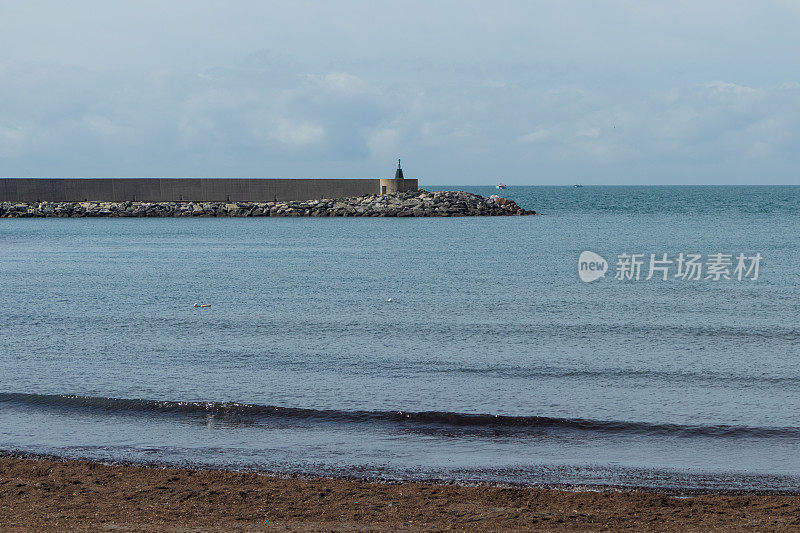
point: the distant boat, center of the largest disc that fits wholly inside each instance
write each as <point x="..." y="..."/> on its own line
<point x="501" y="186"/>
<point x="578" y="185"/>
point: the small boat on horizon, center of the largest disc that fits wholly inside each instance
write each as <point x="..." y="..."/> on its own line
<point x="578" y="185"/>
<point x="501" y="186"/>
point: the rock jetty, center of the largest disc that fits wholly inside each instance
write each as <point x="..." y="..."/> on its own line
<point x="418" y="203"/>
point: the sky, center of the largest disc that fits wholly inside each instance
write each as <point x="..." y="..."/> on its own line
<point x="523" y="92"/>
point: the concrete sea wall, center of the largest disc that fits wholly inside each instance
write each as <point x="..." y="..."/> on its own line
<point x="191" y="189"/>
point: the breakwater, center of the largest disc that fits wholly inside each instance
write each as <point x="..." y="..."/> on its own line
<point x="193" y="189"/>
<point x="418" y="203"/>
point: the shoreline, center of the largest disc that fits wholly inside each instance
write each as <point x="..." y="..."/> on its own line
<point x="576" y="487"/>
<point x="419" y="203"/>
<point x="51" y="494"/>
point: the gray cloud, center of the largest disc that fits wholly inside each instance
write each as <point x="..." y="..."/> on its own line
<point x="467" y="92"/>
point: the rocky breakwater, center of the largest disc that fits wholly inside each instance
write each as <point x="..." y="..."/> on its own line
<point x="418" y="203"/>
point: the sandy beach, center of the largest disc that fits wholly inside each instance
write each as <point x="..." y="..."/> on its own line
<point x="51" y="495"/>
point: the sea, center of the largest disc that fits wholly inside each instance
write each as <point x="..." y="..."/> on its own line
<point x="464" y="350"/>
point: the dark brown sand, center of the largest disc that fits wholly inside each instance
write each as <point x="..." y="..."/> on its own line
<point x="46" y="495"/>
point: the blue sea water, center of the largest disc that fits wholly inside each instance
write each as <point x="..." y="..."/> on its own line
<point x="492" y="362"/>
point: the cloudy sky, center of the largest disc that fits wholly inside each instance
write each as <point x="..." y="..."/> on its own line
<point x="558" y="92"/>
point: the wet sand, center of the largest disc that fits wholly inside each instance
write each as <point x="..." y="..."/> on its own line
<point x="52" y="495"/>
